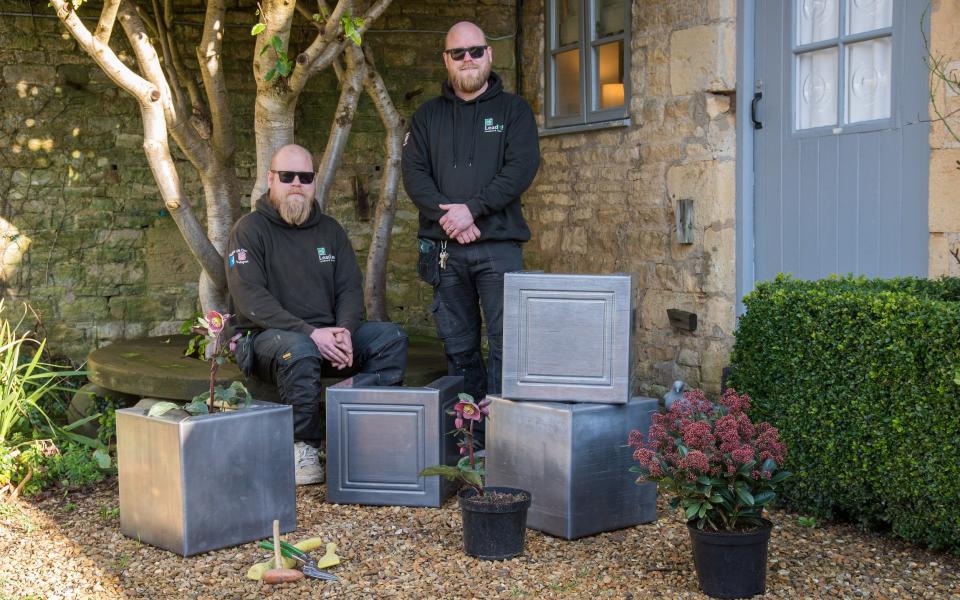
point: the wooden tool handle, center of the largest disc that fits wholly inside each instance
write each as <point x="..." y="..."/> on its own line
<point x="278" y="560"/>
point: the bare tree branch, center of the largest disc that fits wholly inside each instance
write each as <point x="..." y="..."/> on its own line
<point x="376" y="278"/>
<point x="154" y="133"/>
<point x="108" y="16"/>
<point x="210" y="58"/>
<point x="165" y="47"/>
<point x="322" y="51"/>
<point x="197" y="150"/>
<point x="342" y="121"/>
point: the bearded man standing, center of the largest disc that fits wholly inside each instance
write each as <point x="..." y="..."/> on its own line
<point x="468" y="157"/>
<point x="296" y="290"/>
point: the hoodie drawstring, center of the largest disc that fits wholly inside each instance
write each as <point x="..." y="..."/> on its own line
<point x="456" y="111"/>
<point x="476" y="125"/>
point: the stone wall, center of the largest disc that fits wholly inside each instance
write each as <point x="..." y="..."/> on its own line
<point x="605" y="201"/>
<point x="85" y="239"/>
<point x="944" y="208"/>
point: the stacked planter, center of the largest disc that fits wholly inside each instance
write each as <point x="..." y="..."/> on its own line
<point x="560" y="428"/>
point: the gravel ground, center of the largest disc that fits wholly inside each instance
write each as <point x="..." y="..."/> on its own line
<point x="71" y="547"/>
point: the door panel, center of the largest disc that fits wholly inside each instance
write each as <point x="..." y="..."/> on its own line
<point x="841" y="163"/>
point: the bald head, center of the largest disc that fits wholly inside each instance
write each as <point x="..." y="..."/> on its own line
<point x="292" y="157"/>
<point x="465" y="30"/>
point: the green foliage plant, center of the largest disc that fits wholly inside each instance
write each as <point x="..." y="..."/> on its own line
<point x="28" y="436"/>
<point x="470" y="469"/>
<point x="213" y="326"/>
<point x="861" y="378"/>
<point x="712" y="461"/>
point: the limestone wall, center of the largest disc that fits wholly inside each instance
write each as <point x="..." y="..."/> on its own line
<point x="605" y="201"/>
<point x="85" y="239"/>
<point x="944" y="207"/>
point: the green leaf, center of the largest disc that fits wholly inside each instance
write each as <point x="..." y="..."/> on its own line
<point x="258" y="29"/>
<point x="464" y="397"/>
<point x="473" y="477"/>
<point x="745" y="496"/>
<point x="197" y="406"/>
<point x="102" y="456"/>
<point x="277" y="44"/>
<point x="81" y="422"/>
<point x="270" y="74"/>
<point x="780" y="476"/>
<point x="161" y="408"/>
<point x="446" y="471"/>
<point x="284" y="67"/>
<point x="692" y="510"/>
<point x="764" y="497"/>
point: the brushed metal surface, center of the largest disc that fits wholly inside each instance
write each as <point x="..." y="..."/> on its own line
<point x="380" y="438"/>
<point x="566" y="338"/>
<point x="573" y="459"/>
<point x="207" y="482"/>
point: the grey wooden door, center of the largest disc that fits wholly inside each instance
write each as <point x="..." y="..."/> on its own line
<point x="841" y="160"/>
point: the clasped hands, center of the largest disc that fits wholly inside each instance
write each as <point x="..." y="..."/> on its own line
<point x="335" y="345"/>
<point x="458" y="223"/>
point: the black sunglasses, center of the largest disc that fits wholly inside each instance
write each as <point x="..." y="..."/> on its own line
<point x="305" y="177"/>
<point x="459" y="53"/>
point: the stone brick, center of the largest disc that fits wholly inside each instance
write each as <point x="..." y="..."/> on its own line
<point x="703" y="59"/>
<point x="944" y="211"/>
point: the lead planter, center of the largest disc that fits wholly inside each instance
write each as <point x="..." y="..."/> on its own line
<point x="494" y="530"/>
<point x="380" y="438"/>
<point x="573" y="459"/>
<point x="190" y="485"/>
<point x="731" y="564"/>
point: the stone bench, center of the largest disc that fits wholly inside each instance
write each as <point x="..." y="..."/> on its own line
<point x="155" y="367"/>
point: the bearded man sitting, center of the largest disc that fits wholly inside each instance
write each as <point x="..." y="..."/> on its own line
<point x="297" y="294"/>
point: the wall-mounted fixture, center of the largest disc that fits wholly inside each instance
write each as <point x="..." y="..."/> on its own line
<point x="685" y="221"/>
<point x="682" y="319"/>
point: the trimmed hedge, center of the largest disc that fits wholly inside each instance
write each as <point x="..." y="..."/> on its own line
<point x="859" y="376"/>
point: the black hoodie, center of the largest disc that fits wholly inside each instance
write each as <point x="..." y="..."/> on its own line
<point x="482" y="152"/>
<point x="292" y="277"/>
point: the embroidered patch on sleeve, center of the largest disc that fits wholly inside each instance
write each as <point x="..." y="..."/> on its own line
<point x="238" y="257"/>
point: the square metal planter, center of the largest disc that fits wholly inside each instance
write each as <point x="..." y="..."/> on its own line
<point x="573" y="459"/>
<point x="566" y="338"/>
<point x="380" y="438"/>
<point x="190" y="485"/>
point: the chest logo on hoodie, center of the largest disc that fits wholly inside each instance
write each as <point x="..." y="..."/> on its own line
<point x="324" y="257"/>
<point x="489" y="127"/>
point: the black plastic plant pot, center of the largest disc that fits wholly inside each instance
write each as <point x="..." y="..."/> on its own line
<point x="494" y="530"/>
<point x="731" y="564"/>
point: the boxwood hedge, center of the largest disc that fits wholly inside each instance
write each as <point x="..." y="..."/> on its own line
<point x="860" y="376"/>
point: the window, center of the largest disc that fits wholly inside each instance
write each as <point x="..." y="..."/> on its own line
<point x="842" y="62"/>
<point x="587" y="61"/>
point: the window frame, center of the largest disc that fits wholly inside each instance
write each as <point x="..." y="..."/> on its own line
<point x="841" y="42"/>
<point x="589" y="76"/>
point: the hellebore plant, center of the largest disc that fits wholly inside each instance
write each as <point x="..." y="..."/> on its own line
<point x="720" y="468"/>
<point x="470" y="468"/>
<point x="213" y="325"/>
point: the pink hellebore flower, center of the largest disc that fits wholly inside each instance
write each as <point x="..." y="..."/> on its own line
<point x="215" y="321"/>
<point x="468" y="410"/>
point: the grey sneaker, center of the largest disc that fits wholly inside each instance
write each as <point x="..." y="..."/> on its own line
<point x="308" y="468"/>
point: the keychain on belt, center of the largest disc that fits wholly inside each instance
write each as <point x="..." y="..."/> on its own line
<point x="444" y="255"/>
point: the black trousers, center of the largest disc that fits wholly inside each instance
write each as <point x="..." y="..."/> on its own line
<point x="473" y="282"/>
<point x="292" y="361"/>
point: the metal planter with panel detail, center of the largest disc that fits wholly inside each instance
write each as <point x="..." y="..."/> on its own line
<point x="566" y="338"/>
<point x="380" y="438"/>
<point x="191" y="485"/>
<point x="573" y="459"/>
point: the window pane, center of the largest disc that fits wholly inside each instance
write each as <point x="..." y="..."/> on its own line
<point x="868" y="80"/>
<point x="567" y="77"/>
<point x="609" y="59"/>
<point x="816" y="20"/>
<point x="865" y="15"/>
<point x="568" y="21"/>
<point x="816" y="89"/>
<point x="610" y="15"/>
